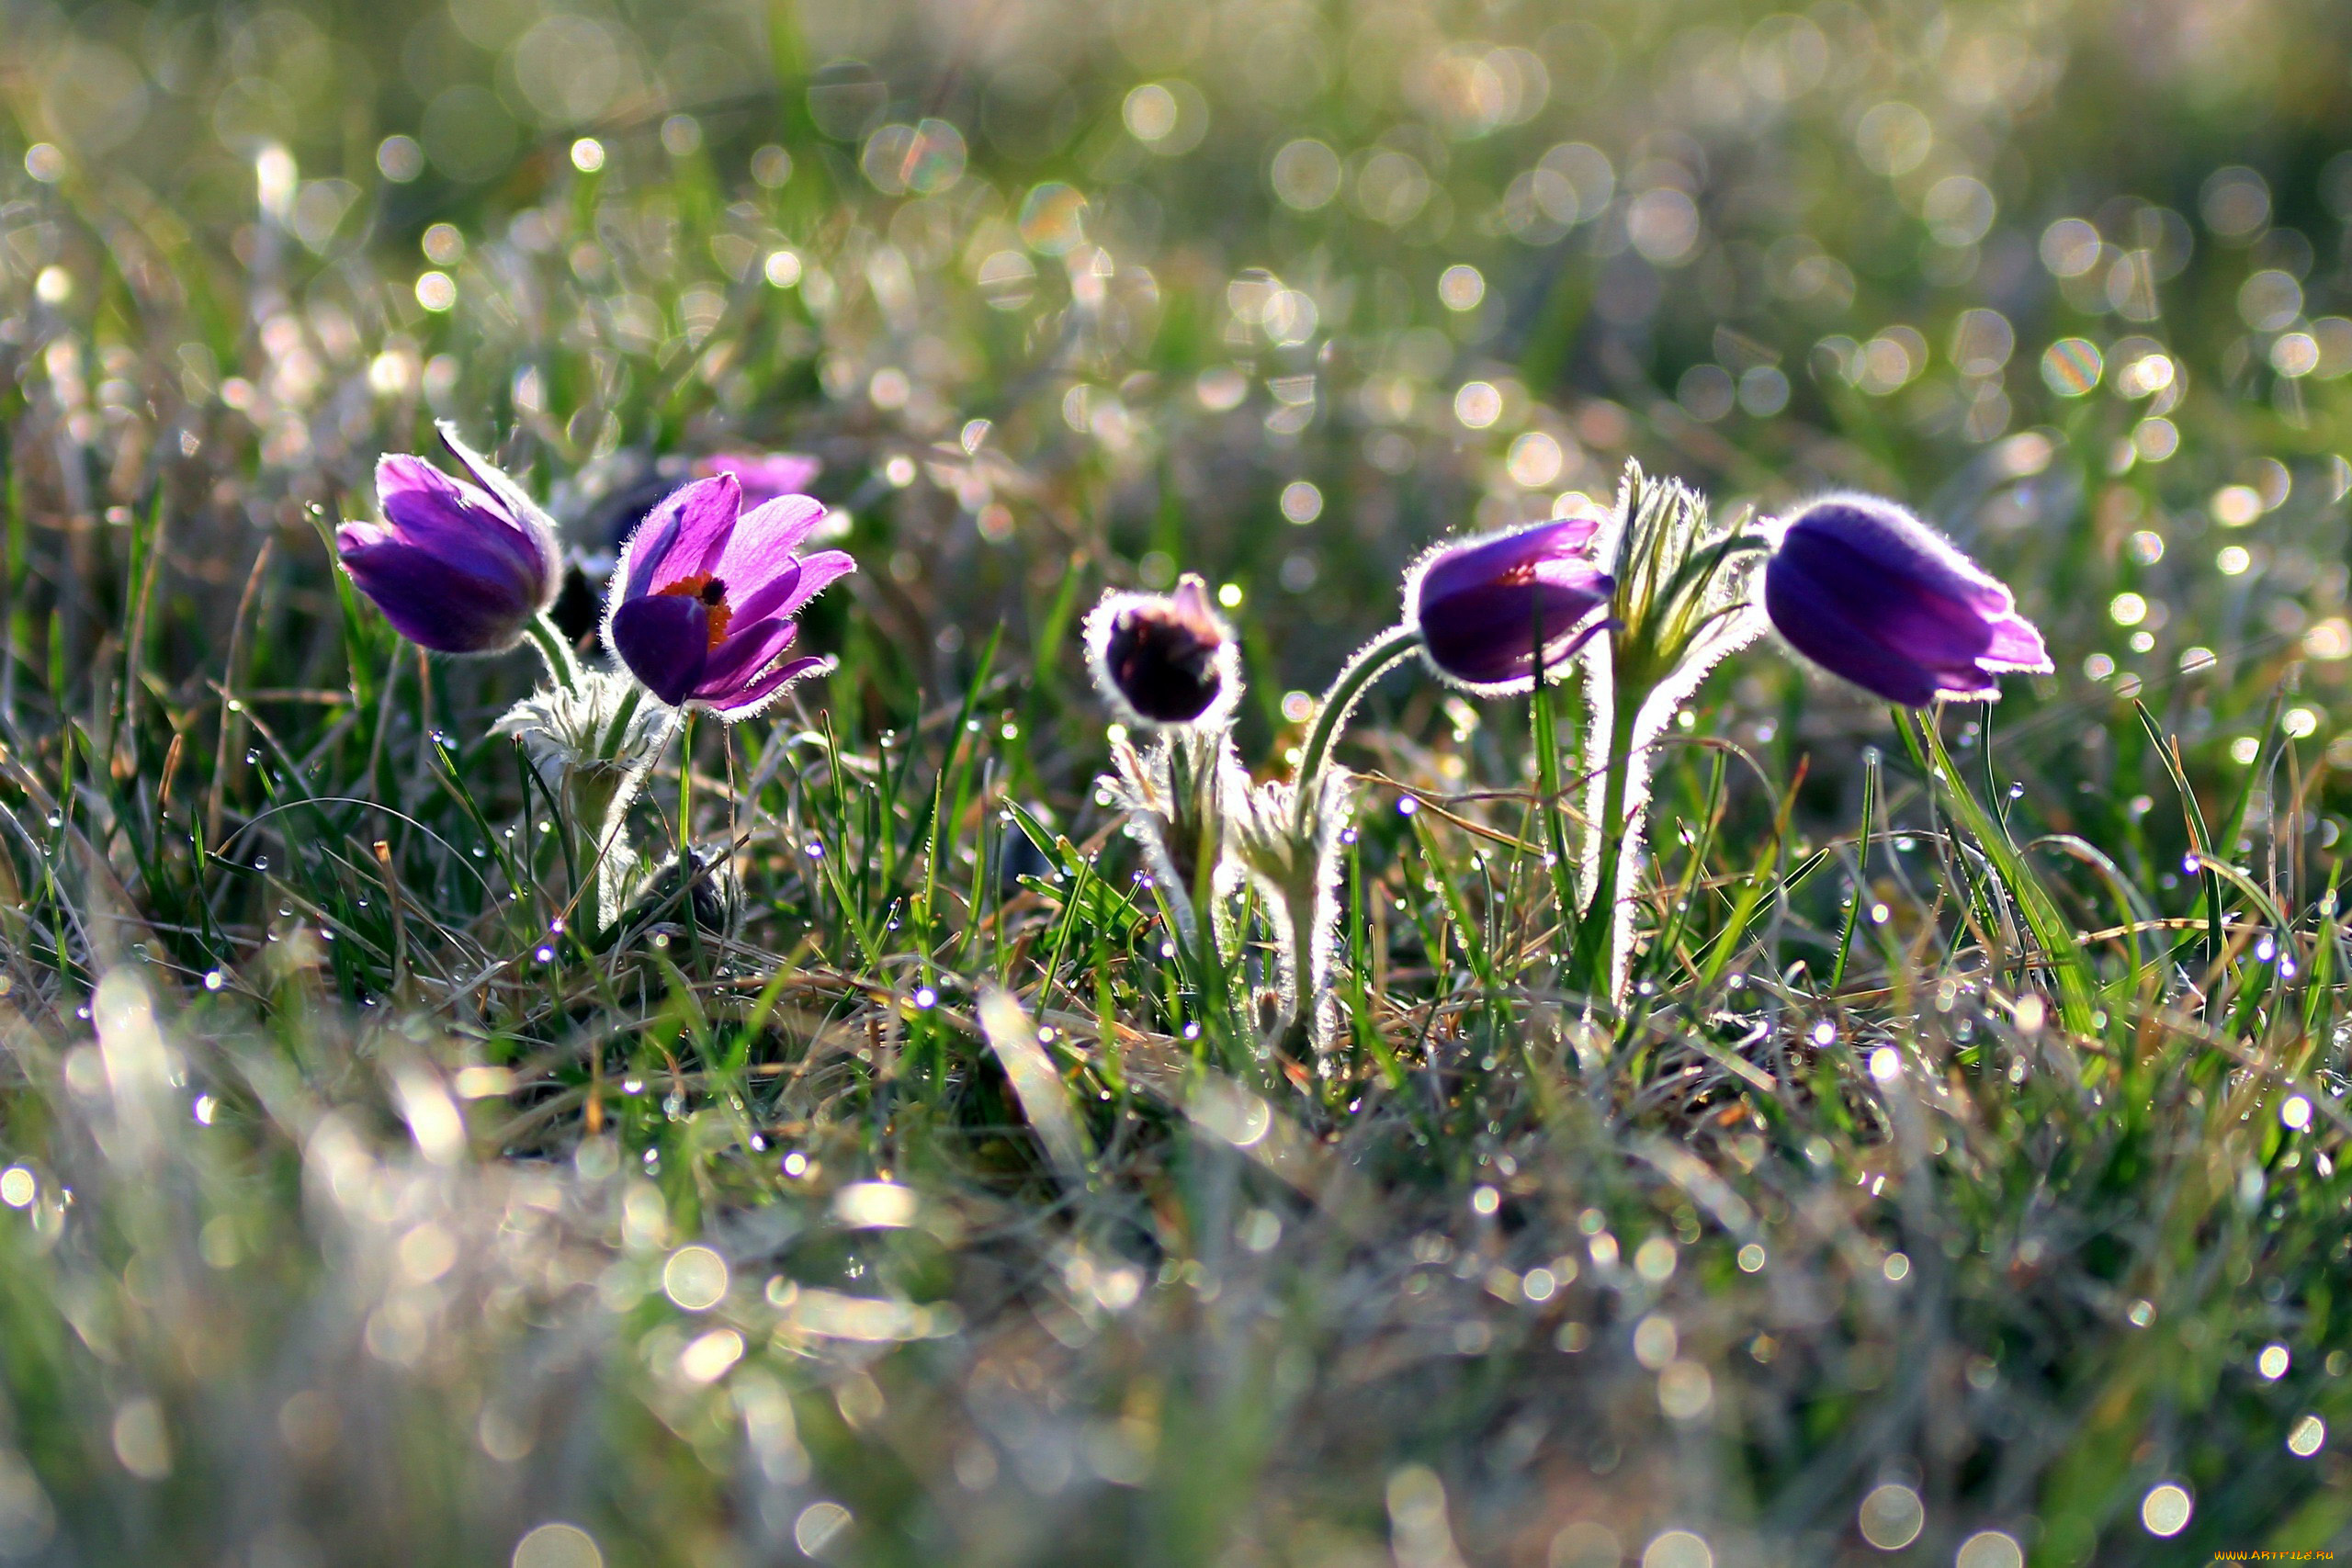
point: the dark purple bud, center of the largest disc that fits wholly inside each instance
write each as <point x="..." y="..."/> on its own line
<point x="701" y="605"/>
<point x="1875" y="595"/>
<point x="1165" y="658"/>
<point x="1870" y="594"/>
<point x="456" y="568"/>
<point x="1483" y="605"/>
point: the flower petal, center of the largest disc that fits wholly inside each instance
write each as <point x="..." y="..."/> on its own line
<point x="2017" y="646"/>
<point x="763" y="475"/>
<point x="526" y="516"/>
<point x="681" y="536"/>
<point x="665" y="638"/>
<point x="1816" y="623"/>
<point x="432" y="601"/>
<point x="789" y="591"/>
<point x="709" y="511"/>
<point x="762" y="545"/>
<point x="1464" y="564"/>
<point x="753" y="698"/>
<point x="1486" y="633"/>
<point x="1930" y="616"/>
<point x="741" y="656"/>
<point x="1898" y="545"/>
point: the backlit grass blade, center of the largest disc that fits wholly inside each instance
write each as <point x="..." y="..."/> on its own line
<point x="2077" y="983"/>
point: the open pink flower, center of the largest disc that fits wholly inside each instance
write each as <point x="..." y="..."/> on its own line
<point x="701" y="606"/>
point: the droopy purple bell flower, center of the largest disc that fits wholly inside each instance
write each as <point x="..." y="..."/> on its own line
<point x="701" y="605"/>
<point x="1870" y="594"/>
<point x="456" y="568"/>
<point x="1478" y="603"/>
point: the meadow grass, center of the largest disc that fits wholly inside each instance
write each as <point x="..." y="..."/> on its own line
<point x="1956" y="1183"/>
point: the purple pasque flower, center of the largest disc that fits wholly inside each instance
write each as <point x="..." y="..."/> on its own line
<point x="456" y="568"/>
<point x="763" y="475"/>
<point x="701" y="605"/>
<point x="1165" y="658"/>
<point x="1870" y="594"/>
<point x="1482" y="605"/>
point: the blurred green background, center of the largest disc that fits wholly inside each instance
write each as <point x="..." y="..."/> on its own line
<point x="1065" y="294"/>
<point x="1277" y="290"/>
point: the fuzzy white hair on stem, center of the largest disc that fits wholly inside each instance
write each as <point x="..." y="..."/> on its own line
<point x="1684" y="601"/>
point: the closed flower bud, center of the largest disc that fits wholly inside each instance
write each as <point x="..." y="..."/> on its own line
<point x="1165" y="658"/>
<point x="456" y="568"/>
<point x="1482" y="606"/>
<point x="1872" y="594"/>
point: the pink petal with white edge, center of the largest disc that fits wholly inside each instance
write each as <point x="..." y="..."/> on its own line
<point x="763" y="541"/>
<point x="708" y="511"/>
<point x="742" y="655"/>
<point x="815" y="573"/>
<point x="403" y="473"/>
<point x="690" y="522"/>
<point x="2017" y="645"/>
<point x="762" y="692"/>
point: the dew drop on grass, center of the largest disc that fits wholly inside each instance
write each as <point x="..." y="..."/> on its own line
<point x="214" y="980"/>
<point x="545" y="955"/>
<point x="252" y="756"/>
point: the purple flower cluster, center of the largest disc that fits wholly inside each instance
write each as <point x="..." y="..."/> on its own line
<point x="1857" y="585"/>
<point x="700" y="609"/>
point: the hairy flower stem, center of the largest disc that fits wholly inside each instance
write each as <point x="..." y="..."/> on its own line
<point x="1596" y="955"/>
<point x="1293" y="1022"/>
<point x="603" y="812"/>
<point x="562" y="668"/>
<point x="1370" y="662"/>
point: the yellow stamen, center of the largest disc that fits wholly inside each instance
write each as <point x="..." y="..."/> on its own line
<point x="701" y="585"/>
